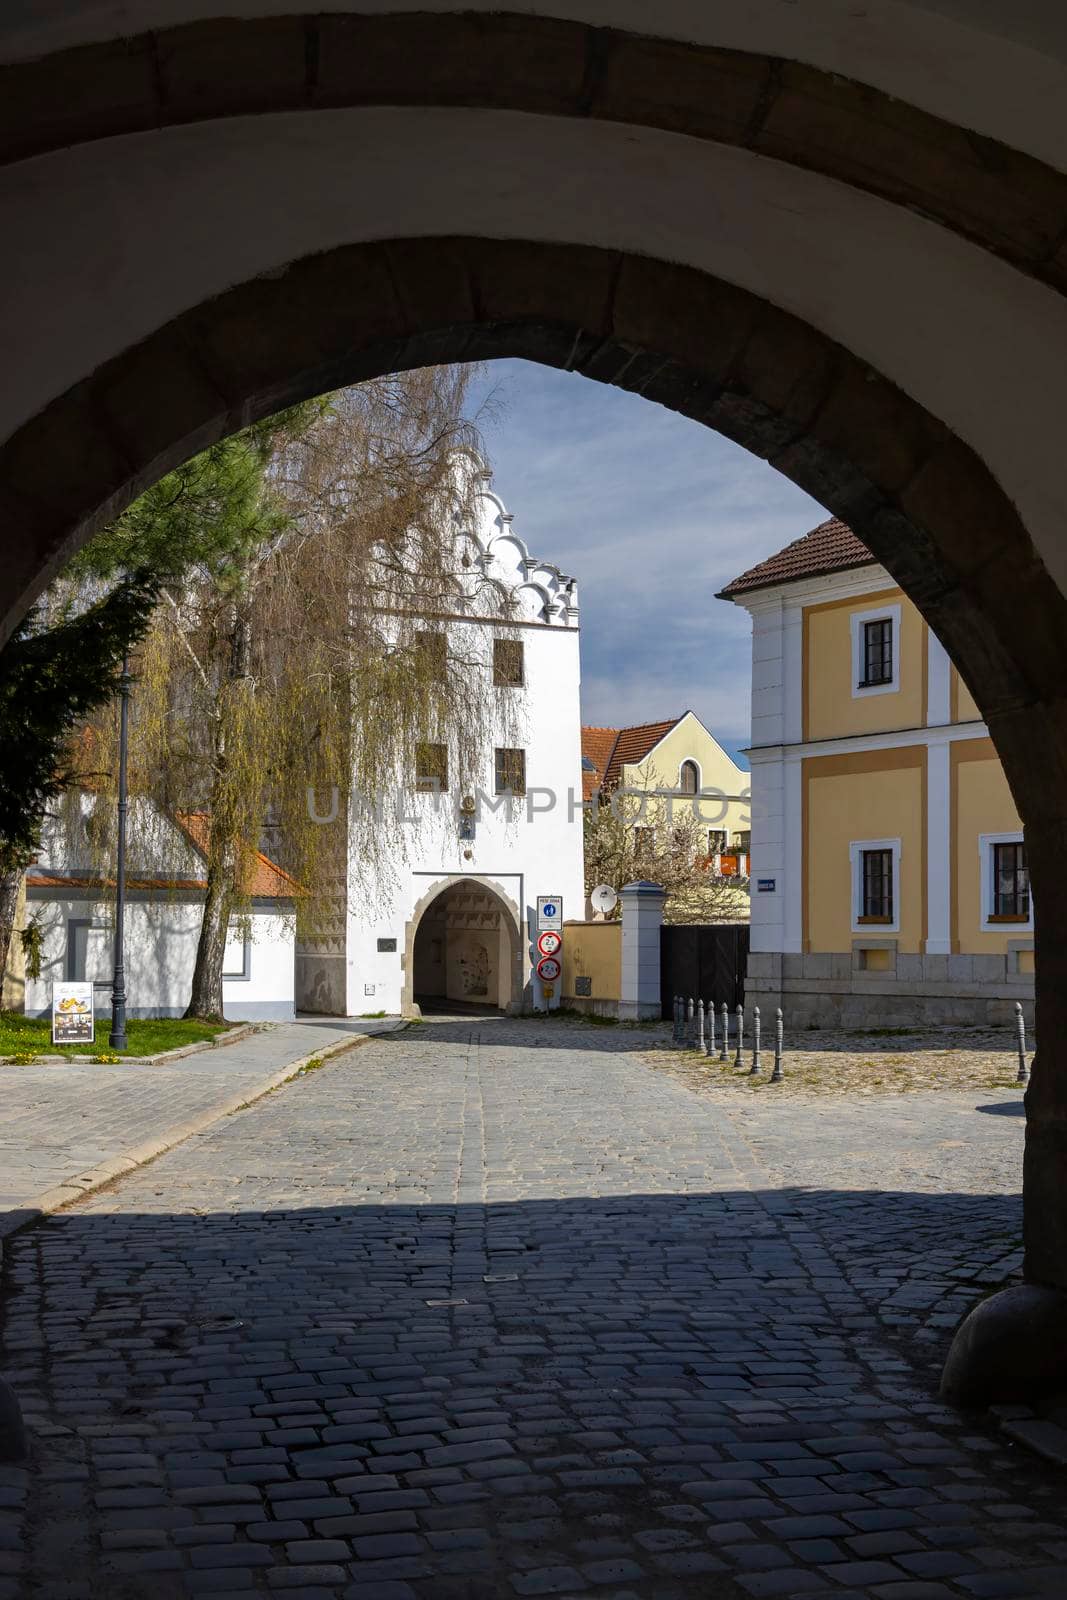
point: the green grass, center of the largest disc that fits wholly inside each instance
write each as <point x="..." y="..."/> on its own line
<point x="22" y="1036"/>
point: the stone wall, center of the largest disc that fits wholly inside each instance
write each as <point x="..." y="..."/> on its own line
<point x="836" y="989"/>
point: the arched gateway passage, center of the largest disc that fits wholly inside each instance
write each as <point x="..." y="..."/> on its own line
<point x="731" y="233"/>
<point x="463" y="949"/>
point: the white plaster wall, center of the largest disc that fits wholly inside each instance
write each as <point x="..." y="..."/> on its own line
<point x="165" y="220"/>
<point x="986" y="64"/>
<point x="523" y="847"/>
<point x="527" y="848"/>
<point x="161" y="939"/>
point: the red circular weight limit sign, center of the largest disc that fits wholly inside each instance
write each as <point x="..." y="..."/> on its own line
<point x="549" y="969"/>
<point x="549" y="943"/>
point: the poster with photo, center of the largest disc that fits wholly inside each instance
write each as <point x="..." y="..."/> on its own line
<point x="72" y="1013"/>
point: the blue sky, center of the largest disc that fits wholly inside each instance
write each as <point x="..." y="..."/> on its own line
<point x="652" y="513"/>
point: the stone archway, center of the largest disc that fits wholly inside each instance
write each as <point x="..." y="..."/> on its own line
<point x="470" y="918"/>
<point x="925" y="503"/>
<point x="888" y="333"/>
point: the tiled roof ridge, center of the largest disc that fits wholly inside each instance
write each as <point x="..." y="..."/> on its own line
<point x="832" y="546"/>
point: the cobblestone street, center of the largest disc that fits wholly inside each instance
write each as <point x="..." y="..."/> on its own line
<point x="518" y="1309"/>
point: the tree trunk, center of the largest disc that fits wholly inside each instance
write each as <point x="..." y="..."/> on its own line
<point x="10" y="888"/>
<point x="224" y="854"/>
<point x="206" y="999"/>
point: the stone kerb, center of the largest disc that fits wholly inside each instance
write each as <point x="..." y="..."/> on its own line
<point x="642" y="922"/>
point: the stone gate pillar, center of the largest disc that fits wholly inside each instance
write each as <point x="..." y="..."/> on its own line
<point x="642" y="919"/>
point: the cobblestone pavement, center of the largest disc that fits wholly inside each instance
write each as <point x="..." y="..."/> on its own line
<point x="861" y="1062"/>
<point x="58" y="1119"/>
<point x="499" y="1310"/>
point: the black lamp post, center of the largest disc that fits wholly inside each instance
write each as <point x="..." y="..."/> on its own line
<point x="117" y="1036"/>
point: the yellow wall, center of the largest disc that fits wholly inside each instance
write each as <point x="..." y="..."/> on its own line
<point x="868" y="795"/>
<point x="593" y="950"/>
<point x="830" y="711"/>
<point x="981" y="803"/>
<point x="690" y="741"/>
<point x="963" y="708"/>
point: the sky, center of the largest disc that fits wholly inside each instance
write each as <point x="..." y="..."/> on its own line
<point x="652" y="513"/>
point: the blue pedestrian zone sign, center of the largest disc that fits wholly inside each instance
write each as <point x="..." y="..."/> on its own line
<point x="549" y="912"/>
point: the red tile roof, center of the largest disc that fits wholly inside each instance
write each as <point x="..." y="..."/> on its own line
<point x="265" y="881"/>
<point x="609" y="749"/>
<point x="42" y="879"/>
<point x="597" y="745"/>
<point x="831" y="547"/>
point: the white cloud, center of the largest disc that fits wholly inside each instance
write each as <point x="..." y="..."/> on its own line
<point x="652" y="513"/>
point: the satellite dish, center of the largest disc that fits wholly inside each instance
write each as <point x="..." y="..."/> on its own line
<point x="603" y="898"/>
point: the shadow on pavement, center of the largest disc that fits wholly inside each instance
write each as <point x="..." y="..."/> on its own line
<point x="651" y="1394"/>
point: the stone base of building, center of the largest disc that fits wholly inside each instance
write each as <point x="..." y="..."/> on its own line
<point x="839" y="990"/>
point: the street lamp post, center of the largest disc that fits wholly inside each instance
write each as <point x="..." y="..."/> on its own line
<point x="117" y="1036"/>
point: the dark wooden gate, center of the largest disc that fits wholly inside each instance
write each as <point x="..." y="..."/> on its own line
<point x="704" y="961"/>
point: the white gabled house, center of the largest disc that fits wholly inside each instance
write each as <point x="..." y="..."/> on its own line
<point x="72" y="903"/>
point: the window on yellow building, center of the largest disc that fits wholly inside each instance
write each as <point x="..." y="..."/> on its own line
<point x="689" y="778"/>
<point x="877" y="653"/>
<point x="877" y="886"/>
<point x="1011" y="883"/>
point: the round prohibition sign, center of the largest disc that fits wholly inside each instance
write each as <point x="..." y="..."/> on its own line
<point x="550" y="943"/>
<point x="548" y="969"/>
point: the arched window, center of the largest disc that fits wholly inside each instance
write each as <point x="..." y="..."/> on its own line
<point x="690" y="778"/>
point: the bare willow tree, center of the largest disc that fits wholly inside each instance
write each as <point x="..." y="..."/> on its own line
<point x="630" y="837"/>
<point x="299" y="663"/>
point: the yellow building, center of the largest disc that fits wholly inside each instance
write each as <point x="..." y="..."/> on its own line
<point x="889" y="870"/>
<point x="662" y="773"/>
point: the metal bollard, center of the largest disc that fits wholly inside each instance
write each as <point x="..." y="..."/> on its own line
<point x="699" y="1044"/>
<point x="688" y="1037"/>
<point x="739" y="1059"/>
<point x="1023" y="1075"/>
<point x="676" y="1031"/>
<point x="709" y="1046"/>
<point x="755" y="1069"/>
<point x="776" y="1075"/>
<point x="725" y="1043"/>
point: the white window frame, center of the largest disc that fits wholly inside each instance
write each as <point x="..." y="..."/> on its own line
<point x="857" y="621"/>
<point x="986" y="841"/>
<point x="855" y="856"/>
<point x="245" y="974"/>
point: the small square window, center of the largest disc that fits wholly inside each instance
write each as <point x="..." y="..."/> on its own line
<point x="509" y="665"/>
<point x="431" y="656"/>
<point x="510" y="771"/>
<point x="431" y="768"/>
<point x="877" y="886"/>
<point x="877" y="653"/>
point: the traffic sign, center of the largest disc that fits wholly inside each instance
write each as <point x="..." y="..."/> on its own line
<point x="549" y="943"/>
<point x="549" y="969"/>
<point x="549" y="912"/>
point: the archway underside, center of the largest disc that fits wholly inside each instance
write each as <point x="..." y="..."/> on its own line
<point x="1009" y="202"/>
